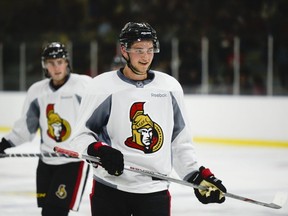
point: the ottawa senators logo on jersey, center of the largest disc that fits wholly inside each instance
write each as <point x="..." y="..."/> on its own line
<point x="147" y="135"/>
<point x="58" y="128"/>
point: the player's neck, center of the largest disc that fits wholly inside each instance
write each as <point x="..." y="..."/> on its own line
<point x="133" y="75"/>
<point x="58" y="84"/>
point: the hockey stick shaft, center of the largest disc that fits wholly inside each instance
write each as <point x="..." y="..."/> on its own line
<point x="29" y="155"/>
<point x="71" y="154"/>
<point x="129" y="168"/>
<point x="167" y="178"/>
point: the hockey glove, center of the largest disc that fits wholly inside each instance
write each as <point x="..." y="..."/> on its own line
<point x="214" y="193"/>
<point x="111" y="159"/>
<point x="4" y="144"/>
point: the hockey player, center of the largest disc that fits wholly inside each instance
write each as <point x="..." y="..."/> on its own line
<point x="136" y="116"/>
<point x="52" y="106"/>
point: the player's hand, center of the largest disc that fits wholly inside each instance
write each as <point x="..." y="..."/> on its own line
<point x="111" y="159"/>
<point x="216" y="190"/>
<point x="4" y="144"/>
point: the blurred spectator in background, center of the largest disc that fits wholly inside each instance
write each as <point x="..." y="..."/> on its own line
<point x="117" y="63"/>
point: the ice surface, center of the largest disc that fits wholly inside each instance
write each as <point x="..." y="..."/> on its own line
<point x="256" y="173"/>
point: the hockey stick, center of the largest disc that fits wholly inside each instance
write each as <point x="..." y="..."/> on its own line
<point x="28" y="155"/>
<point x="278" y="201"/>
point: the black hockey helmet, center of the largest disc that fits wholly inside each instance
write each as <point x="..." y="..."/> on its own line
<point x="133" y="32"/>
<point x="54" y="50"/>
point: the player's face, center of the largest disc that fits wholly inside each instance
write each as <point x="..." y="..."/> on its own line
<point x="141" y="54"/>
<point x="57" y="69"/>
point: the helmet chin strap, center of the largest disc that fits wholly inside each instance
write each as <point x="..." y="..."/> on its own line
<point x="134" y="70"/>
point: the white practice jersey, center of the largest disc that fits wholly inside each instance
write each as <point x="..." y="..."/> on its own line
<point x="52" y="111"/>
<point x="145" y="120"/>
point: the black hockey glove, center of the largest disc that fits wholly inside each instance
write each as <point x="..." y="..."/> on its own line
<point x="4" y="144"/>
<point x="111" y="159"/>
<point x="215" y="191"/>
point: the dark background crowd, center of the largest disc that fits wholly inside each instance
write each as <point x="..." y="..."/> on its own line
<point x="35" y="22"/>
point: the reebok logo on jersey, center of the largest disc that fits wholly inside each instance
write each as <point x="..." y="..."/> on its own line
<point x="66" y="97"/>
<point x="158" y="95"/>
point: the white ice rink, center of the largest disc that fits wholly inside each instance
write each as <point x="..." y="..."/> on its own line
<point x="256" y="173"/>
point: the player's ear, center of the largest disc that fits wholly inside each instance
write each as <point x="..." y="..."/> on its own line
<point x="123" y="50"/>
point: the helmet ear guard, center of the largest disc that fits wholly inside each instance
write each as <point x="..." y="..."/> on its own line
<point x="54" y="50"/>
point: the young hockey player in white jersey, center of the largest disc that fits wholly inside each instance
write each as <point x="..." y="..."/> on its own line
<point x="136" y="116"/>
<point x="52" y="106"/>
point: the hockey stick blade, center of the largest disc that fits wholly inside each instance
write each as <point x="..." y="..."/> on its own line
<point x="278" y="202"/>
<point x="280" y="199"/>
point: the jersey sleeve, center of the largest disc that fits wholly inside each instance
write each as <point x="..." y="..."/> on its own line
<point x="184" y="156"/>
<point x="25" y="128"/>
<point x="85" y="131"/>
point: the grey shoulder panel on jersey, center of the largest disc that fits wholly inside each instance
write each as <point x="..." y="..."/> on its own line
<point x="79" y="98"/>
<point x="179" y="122"/>
<point x="32" y="116"/>
<point x="99" y="119"/>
